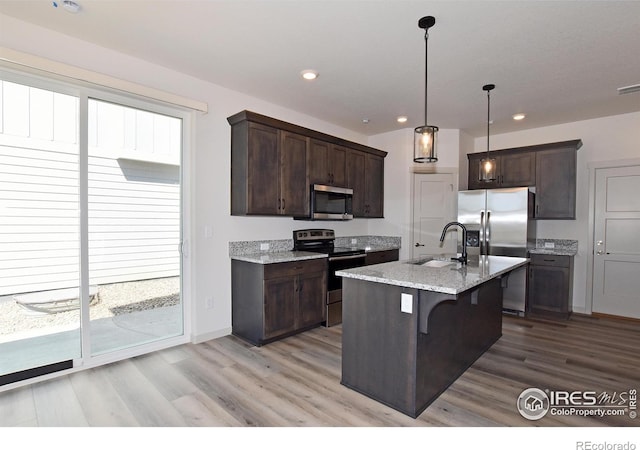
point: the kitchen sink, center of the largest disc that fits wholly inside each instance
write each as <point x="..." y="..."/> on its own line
<point x="439" y="261"/>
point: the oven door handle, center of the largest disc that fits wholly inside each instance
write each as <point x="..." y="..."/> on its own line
<point x="343" y="258"/>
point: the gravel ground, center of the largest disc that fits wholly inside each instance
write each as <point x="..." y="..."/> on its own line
<point x="113" y="299"/>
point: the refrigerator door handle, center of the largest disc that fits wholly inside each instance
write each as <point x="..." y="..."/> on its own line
<point x="487" y="234"/>
<point x="482" y="239"/>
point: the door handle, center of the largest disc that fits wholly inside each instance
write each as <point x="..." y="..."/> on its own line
<point x="419" y="244"/>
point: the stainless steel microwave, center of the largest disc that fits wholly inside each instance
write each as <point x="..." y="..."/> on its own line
<point x="331" y="202"/>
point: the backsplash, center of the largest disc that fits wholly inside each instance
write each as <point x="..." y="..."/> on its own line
<point x="369" y="242"/>
<point x="238" y="248"/>
<point x="557" y="245"/>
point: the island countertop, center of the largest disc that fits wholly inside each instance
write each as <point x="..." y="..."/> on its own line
<point x="437" y="273"/>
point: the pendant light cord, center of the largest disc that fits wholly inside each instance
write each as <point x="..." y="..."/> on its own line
<point x="426" y="72"/>
<point x="488" y="117"/>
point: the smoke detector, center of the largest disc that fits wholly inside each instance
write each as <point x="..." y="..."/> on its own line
<point x="69" y="6"/>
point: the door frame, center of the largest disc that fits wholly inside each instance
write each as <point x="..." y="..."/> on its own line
<point x="430" y="170"/>
<point x="85" y="90"/>
<point x="593" y="167"/>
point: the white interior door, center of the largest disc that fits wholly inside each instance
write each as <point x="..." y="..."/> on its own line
<point x="616" y="261"/>
<point x="434" y="205"/>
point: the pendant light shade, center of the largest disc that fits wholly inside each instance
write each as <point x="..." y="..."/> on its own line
<point x="488" y="164"/>
<point x="424" y="138"/>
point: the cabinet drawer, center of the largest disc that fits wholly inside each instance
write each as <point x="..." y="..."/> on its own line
<point x="289" y="269"/>
<point x="551" y="260"/>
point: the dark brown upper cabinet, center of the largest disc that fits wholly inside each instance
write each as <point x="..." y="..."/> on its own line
<point x="274" y="163"/>
<point x="550" y="168"/>
<point x="327" y="164"/>
<point x="512" y="170"/>
<point x="556" y="183"/>
<point x="268" y="171"/>
<point x="365" y="175"/>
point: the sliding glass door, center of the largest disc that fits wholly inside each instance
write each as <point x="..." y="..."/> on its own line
<point x="39" y="227"/>
<point x="90" y="225"/>
<point x="133" y="225"/>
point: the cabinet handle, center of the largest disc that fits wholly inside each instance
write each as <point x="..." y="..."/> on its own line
<point x="283" y="203"/>
<point x="537" y="209"/>
<point x="279" y="204"/>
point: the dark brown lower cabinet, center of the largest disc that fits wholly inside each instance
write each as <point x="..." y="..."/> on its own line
<point x="271" y="301"/>
<point x="381" y="256"/>
<point x="550" y="286"/>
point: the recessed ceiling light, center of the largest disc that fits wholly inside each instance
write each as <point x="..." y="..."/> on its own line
<point x="402" y="119"/>
<point x="309" y="74"/>
<point x="519" y="116"/>
<point x="365" y="120"/>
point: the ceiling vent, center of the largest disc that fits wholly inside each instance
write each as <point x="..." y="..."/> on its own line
<point x="629" y="89"/>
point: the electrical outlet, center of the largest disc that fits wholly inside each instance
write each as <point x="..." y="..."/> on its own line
<point x="209" y="302"/>
<point x="549" y="245"/>
<point x="264" y="246"/>
<point x="406" y="303"/>
<point x="354" y="241"/>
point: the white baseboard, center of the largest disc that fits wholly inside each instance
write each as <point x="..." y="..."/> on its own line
<point x="197" y="339"/>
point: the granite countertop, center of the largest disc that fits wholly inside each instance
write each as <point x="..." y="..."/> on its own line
<point x="553" y="251"/>
<point x="450" y="278"/>
<point x="278" y="257"/>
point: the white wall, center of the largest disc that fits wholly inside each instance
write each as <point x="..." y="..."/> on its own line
<point x="398" y="179"/>
<point x="604" y="139"/>
<point x="210" y="177"/>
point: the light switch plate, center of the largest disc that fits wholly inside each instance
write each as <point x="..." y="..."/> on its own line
<point x="264" y="246"/>
<point x="354" y="241"/>
<point x="406" y="303"/>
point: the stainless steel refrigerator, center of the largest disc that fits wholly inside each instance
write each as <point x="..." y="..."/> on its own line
<point x="500" y="222"/>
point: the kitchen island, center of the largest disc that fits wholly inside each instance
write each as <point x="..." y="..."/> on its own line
<point x="411" y="328"/>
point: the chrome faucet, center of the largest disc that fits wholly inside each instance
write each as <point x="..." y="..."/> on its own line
<point x="463" y="257"/>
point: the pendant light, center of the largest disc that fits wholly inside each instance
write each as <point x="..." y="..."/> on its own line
<point x="488" y="164"/>
<point x="424" y="137"/>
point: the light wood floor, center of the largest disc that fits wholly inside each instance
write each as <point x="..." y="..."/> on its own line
<point x="296" y="382"/>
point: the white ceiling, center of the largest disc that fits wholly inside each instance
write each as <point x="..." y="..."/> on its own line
<point x="556" y="61"/>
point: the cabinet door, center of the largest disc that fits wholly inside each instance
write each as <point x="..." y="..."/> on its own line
<point x="262" y="162"/>
<point x="311" y="298"/>
<point x="374" y="186"/>
<point x="319" y="171"/>
<point x="518" y="169"/>
<point x="280" y="300"/>
<point x="356" y="180"/>
<point x="294" y="187"/>
<point x="549" y="289"/>
<point x="556" y="184"/>
<point x="337" y="166"/>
